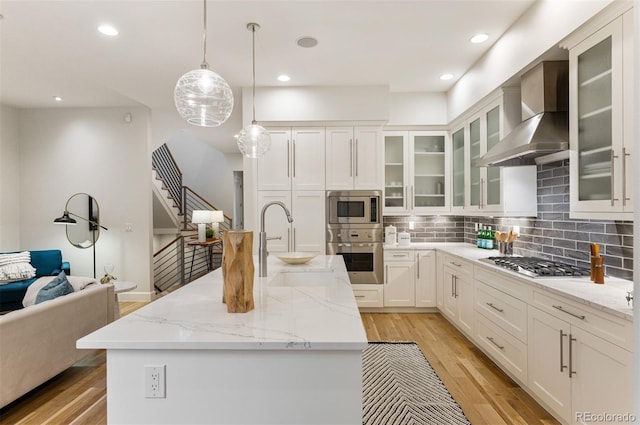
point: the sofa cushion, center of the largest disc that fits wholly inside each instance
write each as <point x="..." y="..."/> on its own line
<point x="47" y="262"/>
<point x="12" y="294"/>
<point x="58" y="287"/>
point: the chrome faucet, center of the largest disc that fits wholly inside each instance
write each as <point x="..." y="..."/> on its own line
<point x="262" y="249"/>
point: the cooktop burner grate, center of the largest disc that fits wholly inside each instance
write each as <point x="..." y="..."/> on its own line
<point x="539" y="267"/>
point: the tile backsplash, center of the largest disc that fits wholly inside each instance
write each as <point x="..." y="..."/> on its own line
<point x="551" y="235"/>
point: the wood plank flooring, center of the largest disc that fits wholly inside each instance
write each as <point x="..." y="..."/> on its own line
<point x="487" y="396"/>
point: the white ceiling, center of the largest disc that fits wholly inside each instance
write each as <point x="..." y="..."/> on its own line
<point x="52" y="47"/>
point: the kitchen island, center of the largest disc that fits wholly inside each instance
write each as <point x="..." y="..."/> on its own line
<point x="296" y="358"/>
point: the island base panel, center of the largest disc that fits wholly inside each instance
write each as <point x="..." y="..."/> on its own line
<point x="233" y="387"/>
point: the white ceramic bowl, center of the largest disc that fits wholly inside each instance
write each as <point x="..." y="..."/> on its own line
<point x="296" y="257"/>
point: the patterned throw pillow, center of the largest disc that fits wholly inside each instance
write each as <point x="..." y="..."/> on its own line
<point x="58" y="287"/>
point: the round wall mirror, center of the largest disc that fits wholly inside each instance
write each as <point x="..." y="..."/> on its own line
<point x="84" y="209"/>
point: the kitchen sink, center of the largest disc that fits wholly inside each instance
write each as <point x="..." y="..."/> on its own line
<point x="324" y="277"/>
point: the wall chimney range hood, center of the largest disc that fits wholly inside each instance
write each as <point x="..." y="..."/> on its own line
<point x="545" y="119"/>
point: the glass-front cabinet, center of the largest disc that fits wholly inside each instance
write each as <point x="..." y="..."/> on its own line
<point x="416" y="172"/>
<point x="600" y="154"/>
<point x="501" y="191"/>
<point x="458" y="170"/>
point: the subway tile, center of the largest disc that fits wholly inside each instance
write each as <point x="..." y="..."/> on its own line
<point x="550" y="250"/>
<point x="576" y="236"/>
<point x="565" y="225"/>
<point x="561" y="207"/>
<point x="577" y="255"/>
<point x="620" y="228"/>
<point x="552" y="216"/>
<point x="610" y="261"/>
<point x="590" y="227"/>
<point x="619" y="273"/>
<point x="618" y="251"/>
<point x="553" y="199"/>
<point x="564" y="243"/>
<point x="605" y="239"/>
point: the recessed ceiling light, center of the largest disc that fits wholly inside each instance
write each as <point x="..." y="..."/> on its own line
<point x="283" y="78"/>
<point x="446" y="76"/>
<point x="307" y="42"/>
<point x="479" y="38"/>
<point x="108" y="30"/>
<point x="57" y="98"/>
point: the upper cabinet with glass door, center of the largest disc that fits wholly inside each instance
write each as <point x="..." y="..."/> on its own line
<point x="500" y="191"/>
<point x="416" y="172"/>
<point x="600" y="69"/>
<point x="458" y="169"/>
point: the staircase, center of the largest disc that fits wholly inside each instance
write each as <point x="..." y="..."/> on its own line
<point x="178" y="262"/>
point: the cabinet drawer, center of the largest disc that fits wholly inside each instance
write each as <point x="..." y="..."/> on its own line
<point x="504" y="310"/>
<point x="610" y="328"/>
<point x="455" y="263"/>
<point x="397" y="255"/>
<point x="507" y="351"/>
<point x="506" y="284"/>
<point x="368" y="295"/>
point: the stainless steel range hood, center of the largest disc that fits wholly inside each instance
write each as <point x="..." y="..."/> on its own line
<point x="545" y="126"/>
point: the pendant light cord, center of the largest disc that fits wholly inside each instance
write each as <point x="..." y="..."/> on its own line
<point x="204" y="65"/>
<point x="253" y="57"/>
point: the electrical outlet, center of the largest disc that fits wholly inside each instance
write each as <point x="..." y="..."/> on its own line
<point x="412" y="225"/>
<point x="154" y="383"/>
<point x="476" y="225"/>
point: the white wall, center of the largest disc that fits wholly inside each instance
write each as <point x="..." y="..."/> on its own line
<point x="541" y="27"/>
<point x="9" y="180"/>
<point x="65" y="151"/>
<point x="417" y="109"/>
<point x="205" y="169"/>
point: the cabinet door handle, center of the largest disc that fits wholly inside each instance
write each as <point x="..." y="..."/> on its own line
<point x="356" y="157"/>
<point x="455" y="264"/>
<point x="562" y="365"/>
<point x="288" y="158"/>
<point x="359" y="296"/>
<point x="418" y="262"/>
<point x="455" y="285"/>
<point x="413" y="200"/>
<point x="406" y="196"/>
<point x="625" y="154"/>
<point x="351" y="157"/>
<point x="294" y="239"/>
<point x="559" y="307"/>
<point x="453" y="294"/>
<point x="386" y="274"/>
<point x="294" y="158"/>
<point x="571" y="371"/>
<point x="289" y="240"/>
<point x="398" y="255"/>
<point x="613" y="173"/>
<point x="481" y="200"/>
<point x="495" y="343"/>
<point x="500" y="310"/>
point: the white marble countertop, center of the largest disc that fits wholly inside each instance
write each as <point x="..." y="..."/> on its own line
<point x="608" y="297"/>
<point x="305" y="317"/>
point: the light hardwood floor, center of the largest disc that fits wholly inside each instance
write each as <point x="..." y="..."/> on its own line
<point x="487" y="396"/>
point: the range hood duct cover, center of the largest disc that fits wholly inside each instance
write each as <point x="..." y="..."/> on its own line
<point x="545" y="126"/>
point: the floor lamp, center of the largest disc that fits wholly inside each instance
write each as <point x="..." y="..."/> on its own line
<point x="67" y="218"/>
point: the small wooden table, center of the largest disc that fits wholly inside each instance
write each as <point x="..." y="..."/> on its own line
<point x="208" y="246"/>
<point x="120" y="286"/>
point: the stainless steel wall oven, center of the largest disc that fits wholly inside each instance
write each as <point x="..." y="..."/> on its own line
<point x="354" y="230"/>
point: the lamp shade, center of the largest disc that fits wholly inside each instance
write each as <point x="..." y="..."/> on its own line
<point x="203" y="98"/>
<point x="65" y="219"/>
<point x="201" y="217"/>
<point x="254" y="141"/>
<point x="217" y="216"/>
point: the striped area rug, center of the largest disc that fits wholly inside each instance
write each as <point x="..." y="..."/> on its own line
<point x="399" y="387"/>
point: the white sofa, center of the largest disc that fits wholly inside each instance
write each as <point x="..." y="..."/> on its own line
<point x="39" y="341"/>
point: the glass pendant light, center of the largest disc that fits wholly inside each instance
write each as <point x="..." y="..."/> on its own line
<point x="202" y="97"/>
<point x="254" y="140"/>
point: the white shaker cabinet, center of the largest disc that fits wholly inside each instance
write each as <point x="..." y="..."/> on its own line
<point x="296" y="160"/>
<point x="601" y="122"/>
<point x="457" y="292"/>
<point x="425" y="278"/>
<point x="399" y="286"/>
<point x="353" y="158"/>
<point x="307" y="232"/>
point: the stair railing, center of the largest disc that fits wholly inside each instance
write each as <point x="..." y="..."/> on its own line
<point x="178" y="263"/>
<point x="168" y="170"/>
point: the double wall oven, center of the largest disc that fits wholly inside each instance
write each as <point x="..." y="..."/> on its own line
<point x="354" y="230"/>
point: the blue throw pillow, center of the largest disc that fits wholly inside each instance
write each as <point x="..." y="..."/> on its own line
<point x="58" y="287"/>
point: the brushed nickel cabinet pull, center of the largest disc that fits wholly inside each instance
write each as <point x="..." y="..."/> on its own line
<point x="571" y="371"/>
<point x="562" y="365"/>
<point x="360" y="296"/>
<point x="613" y="171"/>
<point x="386" y="274"/>
<point x="356" y="157"/>
<point x="559" y="307"/>
<point x="288" y="158"/>
<point x="418" y="263"/>
<point x="625" y="154"/>
<point x="455" y="264"/>
<point x="495" y="343"/>
<point x="495" y="308"/>
<point x="294" y="158"/>
<point x="351" y="157"/>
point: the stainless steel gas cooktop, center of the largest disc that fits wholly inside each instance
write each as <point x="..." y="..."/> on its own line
<point x="538" y="267"/>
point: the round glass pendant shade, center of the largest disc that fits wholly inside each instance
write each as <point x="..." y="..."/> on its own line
<point x="203" y="98"/>
<point x="254" y="141"/>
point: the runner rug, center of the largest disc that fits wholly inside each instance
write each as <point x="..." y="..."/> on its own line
<point x="399" y="387"/>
